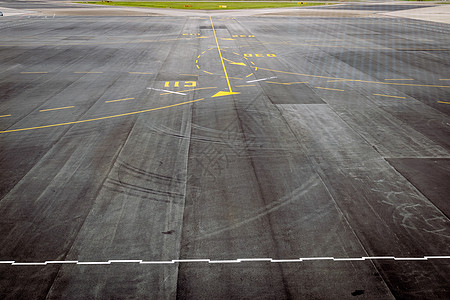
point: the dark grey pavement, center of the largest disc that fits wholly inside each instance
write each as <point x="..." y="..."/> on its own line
<point x="131" y="170"/>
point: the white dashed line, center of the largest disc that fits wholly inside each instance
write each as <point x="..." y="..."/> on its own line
<point x="224" y="261"/>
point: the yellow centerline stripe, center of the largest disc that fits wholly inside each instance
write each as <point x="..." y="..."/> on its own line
<point x="249" y="75"/>
<point x="237" y="78"/>
<point x="220" y="54"/>
<point x="400" y="79"/>
<point x="3" y="116"/>
<point x="101" y="118"/>
<point x="356" y="80"/>
<point x="245" y="85"/>
<point x="443" y="102"/>
<point x="33" y="72"/>
<point x="124" y="99"/>
<point x="324" y="88"/>
<point x="389" y="96"/>
<point x="58" y="108"/>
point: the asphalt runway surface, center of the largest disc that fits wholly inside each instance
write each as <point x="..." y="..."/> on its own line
<point x="221" y="158"/>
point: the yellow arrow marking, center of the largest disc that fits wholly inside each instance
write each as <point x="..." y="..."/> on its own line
<point x="230" y="91"/>
<point x="234" y="63"/>
<point x="220" y="94"/>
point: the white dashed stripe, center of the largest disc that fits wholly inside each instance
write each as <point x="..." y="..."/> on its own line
<point x="225" y="261"/>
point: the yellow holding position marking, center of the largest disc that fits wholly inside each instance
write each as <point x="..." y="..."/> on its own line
<point x="3" y="116"/>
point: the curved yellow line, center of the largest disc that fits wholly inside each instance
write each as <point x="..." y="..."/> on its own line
<point x="101" y="118"/>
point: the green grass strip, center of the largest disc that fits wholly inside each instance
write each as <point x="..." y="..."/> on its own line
<point x="208" y="5"/>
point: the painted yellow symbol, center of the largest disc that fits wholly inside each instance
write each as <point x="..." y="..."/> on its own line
<point x="242" y="36"/>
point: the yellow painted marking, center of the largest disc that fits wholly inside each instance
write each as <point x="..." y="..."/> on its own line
<point x="236" y="53"/>
<point x="177" y="84"/>
<point x="124" y="99"/>
<point x="102" y="118"/>
<point x="208" y="72"/>
<point x="199" y="56"/>
<point x="190" y="90"/>
<point x="3" y="116"/>
<point x="249" y="75"/>
<point x="355" y="80"/>
<point x="88" y="72"/>
<point x="246" y="85"/>
<point x="400" y="79"/>
<point x="230" y="91"/>
<point x="50" y="109"/>
<point x="197" y="67"/>
<point x="196" y="61"/>
<point x="202" y="37"/>
<point x="190" y="83"/>
<point x="33" y="72"/>
<point x="323" y="88"/>
<point x="167" y="84"/>
<point x="286" y="83"/>
<point x="227" y="39"/>
<point x="143" y="73"/>
<point x="443" y="102"/>
<point x="390" y="96"/>
<point x="233" y="77"/>
<point x="253" y="64"/>
<point x="234" y="63"/>
<point x="444" y="79"/>
<point x="224" y="93"/>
